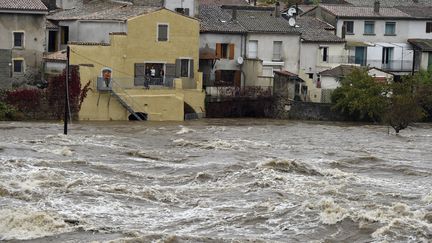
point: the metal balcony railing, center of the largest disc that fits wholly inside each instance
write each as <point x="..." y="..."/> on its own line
<point x="246" y="91"/>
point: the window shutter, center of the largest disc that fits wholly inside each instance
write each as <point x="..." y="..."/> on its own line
<point x="191" y="68"/>
<point x="186" y="11"/>
<point x="139" y="69"/>
<point x="218" y="74"/>
<point x="178" y="68"/>
<point x="237" y="78"/>
<point x="170" y="74"/>
<point x="218" y="50"/>
<point x="231" y="51"/>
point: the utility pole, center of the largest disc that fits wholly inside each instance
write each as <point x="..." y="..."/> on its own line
<point x="66" y="100"/>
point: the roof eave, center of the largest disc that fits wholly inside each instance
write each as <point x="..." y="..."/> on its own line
<point x="24" y="11"/>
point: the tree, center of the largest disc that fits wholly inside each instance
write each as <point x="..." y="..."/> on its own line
<point x="360" y="97"/>
<point x="403" y="107"/>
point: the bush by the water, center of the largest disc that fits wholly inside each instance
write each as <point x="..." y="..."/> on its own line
<point x="7" y="112"/>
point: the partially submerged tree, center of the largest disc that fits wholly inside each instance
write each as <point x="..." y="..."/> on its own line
<point x="360" y="96"/>
<point x="400" y="104"/>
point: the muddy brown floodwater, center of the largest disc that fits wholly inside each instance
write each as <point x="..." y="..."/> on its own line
<point x="215" y="181"/>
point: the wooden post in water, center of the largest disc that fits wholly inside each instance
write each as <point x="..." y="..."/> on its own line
<point x="66" y="107"/>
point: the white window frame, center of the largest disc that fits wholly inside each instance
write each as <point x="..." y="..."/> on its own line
<point x="249" y="52"/>
<point x="157" y="32"/>
<point x="22" y="41"/>
<point x="280" y="50"/>
<point x="22" y="66"/>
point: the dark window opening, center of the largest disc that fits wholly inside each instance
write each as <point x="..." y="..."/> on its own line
<point x="18" y="66"/>
<point x="52" y="41"/>
<point x="428" y="27"/>
<point x="184" y="11"/>
<point x="64" y="35"/>
<point x="325" y="54"/>
<point x="310" y="75"/>
<point x="224" y="50"/>
<point x="18" y="39"/>
<point x="349" y="27"/>
<point x="225" y="77"/>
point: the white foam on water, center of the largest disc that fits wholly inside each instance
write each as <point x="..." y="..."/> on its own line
<point x="65" y="151"/>
<point x="185" y="130"/>
<point x="23" y="224"/>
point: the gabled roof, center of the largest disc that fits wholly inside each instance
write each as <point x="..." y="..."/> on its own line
<point x="339" y="71"/>
<point x="343" y="10"/>
<point x="248" y="19"/>
<point x="422" y="44"/>
<point x="262" y="20"/>
<point x="102" y="10"/>
<point x="215" y="19"/>
<point x="420" y="12"/>
<point x="23" y="5"/>
<point x="315" y="30"/>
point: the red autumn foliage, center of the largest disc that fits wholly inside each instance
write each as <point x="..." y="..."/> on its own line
<point x="25" y="100"/>
<point x="56" y="93"/>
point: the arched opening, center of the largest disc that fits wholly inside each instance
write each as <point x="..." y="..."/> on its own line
<point x="141" y="115"/>
<point x="189" y="112"/>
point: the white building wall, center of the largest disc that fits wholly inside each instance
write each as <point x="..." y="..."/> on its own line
<point x="212" y="39"/>
<point x="173" y="4"/>
<point x="290" y="49"/>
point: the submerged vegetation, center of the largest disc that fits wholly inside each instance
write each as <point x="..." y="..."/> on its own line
<point x="397" y="104"/>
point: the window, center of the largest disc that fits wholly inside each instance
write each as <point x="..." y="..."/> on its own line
<point x="390" y="28"/>
<point x="324" y="54"/>
<point x="253" y="49"/>
<point x="18" y="66"/>
<point x="184" y="70"/>
<point x="18" y="39"/>
<point x="52" y="41"/>
<point x="277" y="49"/>
<point x="428" y="27"/>
<point x="64" y="35"/>
<point x="387" y="56"/>
<point x="349" y="27"/>
<point x="162" y="32"/>
<point x="310" y="75"/>
<point x="225" y="50"/>
<point x="184" y="11"/>
<point x="369" y="28"/>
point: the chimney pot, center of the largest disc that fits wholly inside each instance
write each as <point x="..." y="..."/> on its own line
<point x="277" y="10"/>
<point x="234" y="13"/>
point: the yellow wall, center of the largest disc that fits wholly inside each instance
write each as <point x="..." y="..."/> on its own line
<point x="140" y="45"/>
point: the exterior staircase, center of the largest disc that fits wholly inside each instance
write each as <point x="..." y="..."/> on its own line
<point x="125" y="105"/>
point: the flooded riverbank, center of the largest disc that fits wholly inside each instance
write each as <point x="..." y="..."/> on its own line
<point x="215" y="181"/>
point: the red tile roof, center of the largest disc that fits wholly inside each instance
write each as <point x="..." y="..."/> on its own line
<point x="23" y="5"/>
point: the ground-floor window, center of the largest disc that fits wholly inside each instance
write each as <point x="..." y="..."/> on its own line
<point x="18" y="66"/>
<point x="227" y="78"/>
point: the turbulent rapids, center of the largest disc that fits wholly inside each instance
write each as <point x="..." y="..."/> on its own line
<point x="215" y="181"/>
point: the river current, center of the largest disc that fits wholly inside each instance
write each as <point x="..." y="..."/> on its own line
<point x="215" y="181"/>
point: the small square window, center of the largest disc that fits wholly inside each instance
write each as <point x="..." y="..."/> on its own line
<point x="369" y="28"/>
<point x="162" y="32"/>
<point x="18" y="66"/>
<point x="18" y="39"/>
<point x="390" y="28"/>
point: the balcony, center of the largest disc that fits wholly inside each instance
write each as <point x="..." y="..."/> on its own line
<point x="392" y="66"/>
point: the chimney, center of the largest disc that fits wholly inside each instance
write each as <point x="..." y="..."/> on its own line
<point x="377" y="6"/>
<point x="277" y="10"/>
<point x="234" y="13"/>
<point x="52" y="5"/>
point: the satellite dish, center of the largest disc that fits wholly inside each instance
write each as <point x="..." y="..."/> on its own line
<point x="240" y="60"/>
<point x="292" y="22"/>
<point x="292" y="11"/>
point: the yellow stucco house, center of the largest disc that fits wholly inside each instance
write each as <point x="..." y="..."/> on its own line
<point x="151" y="69"/>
